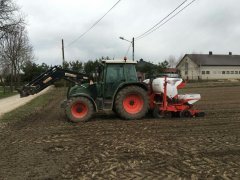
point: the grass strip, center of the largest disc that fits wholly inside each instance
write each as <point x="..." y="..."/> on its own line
<point x="4" y="95"/>
<point x="35" y="105"/>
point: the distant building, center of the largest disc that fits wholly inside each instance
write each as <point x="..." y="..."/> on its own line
<point x="170" y="72"/>
<point x="209" y="66"/>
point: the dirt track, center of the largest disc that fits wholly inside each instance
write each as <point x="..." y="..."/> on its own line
<point x="45" y="146"/>
<point x="10" y="103"/>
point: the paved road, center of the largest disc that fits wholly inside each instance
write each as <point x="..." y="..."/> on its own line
<point x="10" y="103"/>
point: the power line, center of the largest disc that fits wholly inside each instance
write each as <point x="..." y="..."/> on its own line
<point x="154" y="29"/>
<point x="93" y="25"/>
<point x="128" y="50"/>
<point x="162" y="19"/>
<point x="166" y="20"/>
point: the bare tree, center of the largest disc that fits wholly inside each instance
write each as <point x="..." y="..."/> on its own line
<point x="9" y="17"/>
<point x="14" y="44"/>
<point x="172" y="61"/>
<point x="15" y="52"/>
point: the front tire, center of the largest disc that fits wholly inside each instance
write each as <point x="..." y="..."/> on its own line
<point x="131" y="103"/>
<point x="80" y="109"/>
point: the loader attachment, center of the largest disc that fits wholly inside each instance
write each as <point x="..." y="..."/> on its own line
<point x="23" y="92"/>
<point x="48" y="78"/>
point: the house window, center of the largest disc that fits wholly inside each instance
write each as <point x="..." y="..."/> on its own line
<point x="207" y="72"/>
<point x="223" y="72"/>
<point x="227" y="72"/>
<point x="186" y="68"/>
<point x="203" y="72"/>
<point x="236" y="72"/>
<point x="232" y="72"/>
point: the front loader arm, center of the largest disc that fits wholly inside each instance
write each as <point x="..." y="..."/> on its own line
<point x="48" y="78"/>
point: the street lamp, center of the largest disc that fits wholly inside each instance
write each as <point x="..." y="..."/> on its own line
<point x="122" y="38"/>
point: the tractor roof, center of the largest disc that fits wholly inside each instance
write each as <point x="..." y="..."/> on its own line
<point x="119" y="61"/>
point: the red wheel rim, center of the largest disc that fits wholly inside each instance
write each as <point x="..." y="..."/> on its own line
<point x="79" y="110"/>
<point x="133" y="103"/>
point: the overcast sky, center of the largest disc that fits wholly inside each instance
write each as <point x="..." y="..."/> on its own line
<point x="206" y="25"/>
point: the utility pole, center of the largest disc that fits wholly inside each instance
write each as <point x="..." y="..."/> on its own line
<point x="63" y="56"/>
<point x="133" y="48"/>
<point x="133" y="45"/>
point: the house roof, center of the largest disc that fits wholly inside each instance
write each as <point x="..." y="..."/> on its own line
<point x="214" y="60"/>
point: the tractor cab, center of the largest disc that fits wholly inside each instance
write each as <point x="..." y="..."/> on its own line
<point x="114" y="73"/>
<point x="112" y="76"/>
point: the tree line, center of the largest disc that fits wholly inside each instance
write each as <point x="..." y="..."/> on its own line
<point x="31" y="69"/>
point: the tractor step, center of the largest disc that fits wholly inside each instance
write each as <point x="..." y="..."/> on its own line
<point x="99" y="102"/>
<point x="107" y="104"/>
<point x="104" y="104"/>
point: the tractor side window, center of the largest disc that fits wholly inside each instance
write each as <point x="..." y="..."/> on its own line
<point x="114" y="73"/>
<point x="100" y="73"/>
<point x="130" y="72"/>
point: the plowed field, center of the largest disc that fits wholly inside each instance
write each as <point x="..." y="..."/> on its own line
<point x="46" y="146"/>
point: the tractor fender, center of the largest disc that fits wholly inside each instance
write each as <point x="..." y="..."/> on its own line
<point x="86" y="96"/>
<point x="123" y="85"/>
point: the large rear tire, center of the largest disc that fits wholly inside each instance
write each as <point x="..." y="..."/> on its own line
<point x="131" y="103"/>
<point x="80" y="109"/>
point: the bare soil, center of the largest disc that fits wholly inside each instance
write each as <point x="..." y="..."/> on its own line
<point x="46" y="146"/>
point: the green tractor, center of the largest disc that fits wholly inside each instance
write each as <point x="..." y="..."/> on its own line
<point x="117" y="89"/>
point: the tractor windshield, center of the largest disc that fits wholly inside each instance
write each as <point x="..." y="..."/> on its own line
<point x="130" y="72"/>
<point x="115" y="73"/>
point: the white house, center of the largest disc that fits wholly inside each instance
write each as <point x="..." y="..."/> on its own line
<point x="209" y="66"/>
